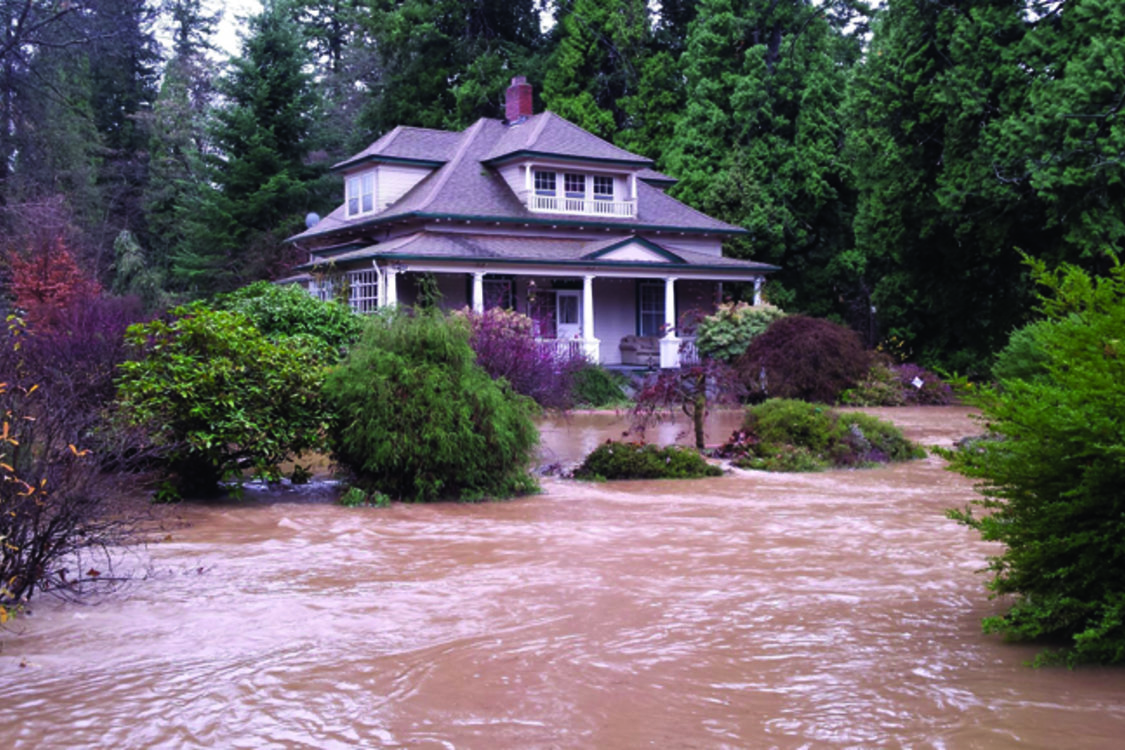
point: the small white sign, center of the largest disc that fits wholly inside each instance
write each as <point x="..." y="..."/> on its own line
<point x="917" y="382"/>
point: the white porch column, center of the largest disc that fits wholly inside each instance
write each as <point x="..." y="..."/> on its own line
<point x="670" y="343"/>
<point x="390" y="276"/>
<point x="478" y="291"/>
<point x="591" y="346"/>
<point x="758" y="289"/>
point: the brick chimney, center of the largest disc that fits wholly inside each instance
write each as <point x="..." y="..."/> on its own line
<point x="517" y="102"/>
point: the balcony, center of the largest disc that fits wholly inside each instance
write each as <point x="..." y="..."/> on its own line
<point x="552" y="204"/>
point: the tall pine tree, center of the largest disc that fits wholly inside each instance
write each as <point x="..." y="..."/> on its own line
<point x="262" y="183"/>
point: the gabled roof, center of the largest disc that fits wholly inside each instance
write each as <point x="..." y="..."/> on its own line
<point x="422" y="146"/>
<point x="547" y="134"/>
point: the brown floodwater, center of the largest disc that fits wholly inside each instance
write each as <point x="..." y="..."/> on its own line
<point x="838" y="609"/>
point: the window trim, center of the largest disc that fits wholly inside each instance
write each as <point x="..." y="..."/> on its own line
<point x="658" y="310"/>
<point x="603" y="196"/>
<point x="544" y="190"/>
<point x="359" y="188"/>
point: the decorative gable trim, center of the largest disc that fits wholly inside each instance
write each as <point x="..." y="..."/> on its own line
<point x="634" y="250"/>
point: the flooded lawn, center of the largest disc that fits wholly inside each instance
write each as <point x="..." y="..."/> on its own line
<point x="838" y="609"/>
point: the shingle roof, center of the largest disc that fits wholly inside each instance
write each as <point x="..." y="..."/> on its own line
<point x="547" y="133"/>
<point x="531" y="250"/>
<point x="407" y="144"/>
<point x="464" y="187"/>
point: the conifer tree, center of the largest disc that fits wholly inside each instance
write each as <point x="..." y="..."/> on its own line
<point x="263" y="185"/>
<point x="758" y="143"/>
<point x="597" y="62"/>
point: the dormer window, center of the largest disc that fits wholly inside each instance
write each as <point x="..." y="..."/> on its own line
<point x="603" y="188"/>
<point x="582" y="193"/>
<point x="544" y="183"/>
<point x="575" y="185"/>
<point x="361" y="194"/>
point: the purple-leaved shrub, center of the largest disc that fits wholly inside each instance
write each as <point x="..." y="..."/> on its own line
<point x="506" y="347"/>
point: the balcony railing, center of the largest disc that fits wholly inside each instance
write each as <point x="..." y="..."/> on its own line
<point x="552" y="204"/>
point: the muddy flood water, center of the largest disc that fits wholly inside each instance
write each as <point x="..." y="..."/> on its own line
<point x="839" y="609"/>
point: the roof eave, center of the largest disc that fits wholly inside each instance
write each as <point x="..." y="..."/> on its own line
<point x="382" y="159"/>
<point x="529" y="153"/>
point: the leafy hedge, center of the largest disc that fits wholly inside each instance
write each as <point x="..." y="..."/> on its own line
<point x="416" y="418"/>
<point x="790" y="435"/>
<point x="618" y="460"/>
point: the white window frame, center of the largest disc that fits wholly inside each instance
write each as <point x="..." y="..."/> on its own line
<point x="601" y="195"/>
<point x="541" y="185"/>
<point x="574" y="184"/>
<point x="360" y="198"/>
<point x="650" y="308"/>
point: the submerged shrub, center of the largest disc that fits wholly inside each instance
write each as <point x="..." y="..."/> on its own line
<point x="595" y="386"/>
<point x="217" y="396"/>
<point x="725" y="334"/>
<point x="889" y="384"/>
<point x="803" y="358"/>
<point x="506" y="347"/>
<point x="789" y="435"/>
<point x="617" y="460"/>
<point x="417" y="418"/>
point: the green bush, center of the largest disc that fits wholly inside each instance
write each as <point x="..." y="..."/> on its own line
<point x="283" y="311"/>
<point x="725" y="334"/>
<point x="1052" y="472"/>
<point x="1023" y="358"/>
<point x="789" y="435"/>
<point x="879" y="387"/>
<point x="595" y="386"/>
<point x="617" y="460"/>
<point x="217" y="396"/>
<point x="417" y="418"/>
<point x="357" y="497"/>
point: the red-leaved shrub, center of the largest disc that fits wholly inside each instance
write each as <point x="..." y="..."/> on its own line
<point x="803" y="358"/>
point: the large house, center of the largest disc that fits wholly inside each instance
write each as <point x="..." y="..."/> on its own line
<point x="531" y="213"/>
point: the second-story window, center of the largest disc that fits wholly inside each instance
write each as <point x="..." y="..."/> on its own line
<point x="361" y="194"/>
<point x="603" y="188"/>
<point x="544" y="182"/>
<point x="575" y="185"/>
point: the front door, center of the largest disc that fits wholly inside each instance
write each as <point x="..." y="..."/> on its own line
<point x="568" y="314"/>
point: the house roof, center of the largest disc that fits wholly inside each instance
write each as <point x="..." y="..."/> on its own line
<point x="463" y="188"/>
<point x="423" y="146"/>
<point x="547" y="134"/>
<point x="450" y="246"/>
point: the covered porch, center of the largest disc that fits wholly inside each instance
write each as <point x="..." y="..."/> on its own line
<point x="611" y="315"/>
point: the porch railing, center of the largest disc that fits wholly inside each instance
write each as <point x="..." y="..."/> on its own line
<point x="563" y="349"/>
<point x="552" y="204"/>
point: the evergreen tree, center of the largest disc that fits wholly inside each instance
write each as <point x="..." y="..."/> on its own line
<point x="234" y="233"/>
<point x="941" y="209"/>
<point x="178" y="130"/>
<point x="758" y="142"/>
<point x="444" y="63"/>
<point x="597" y="62"/>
